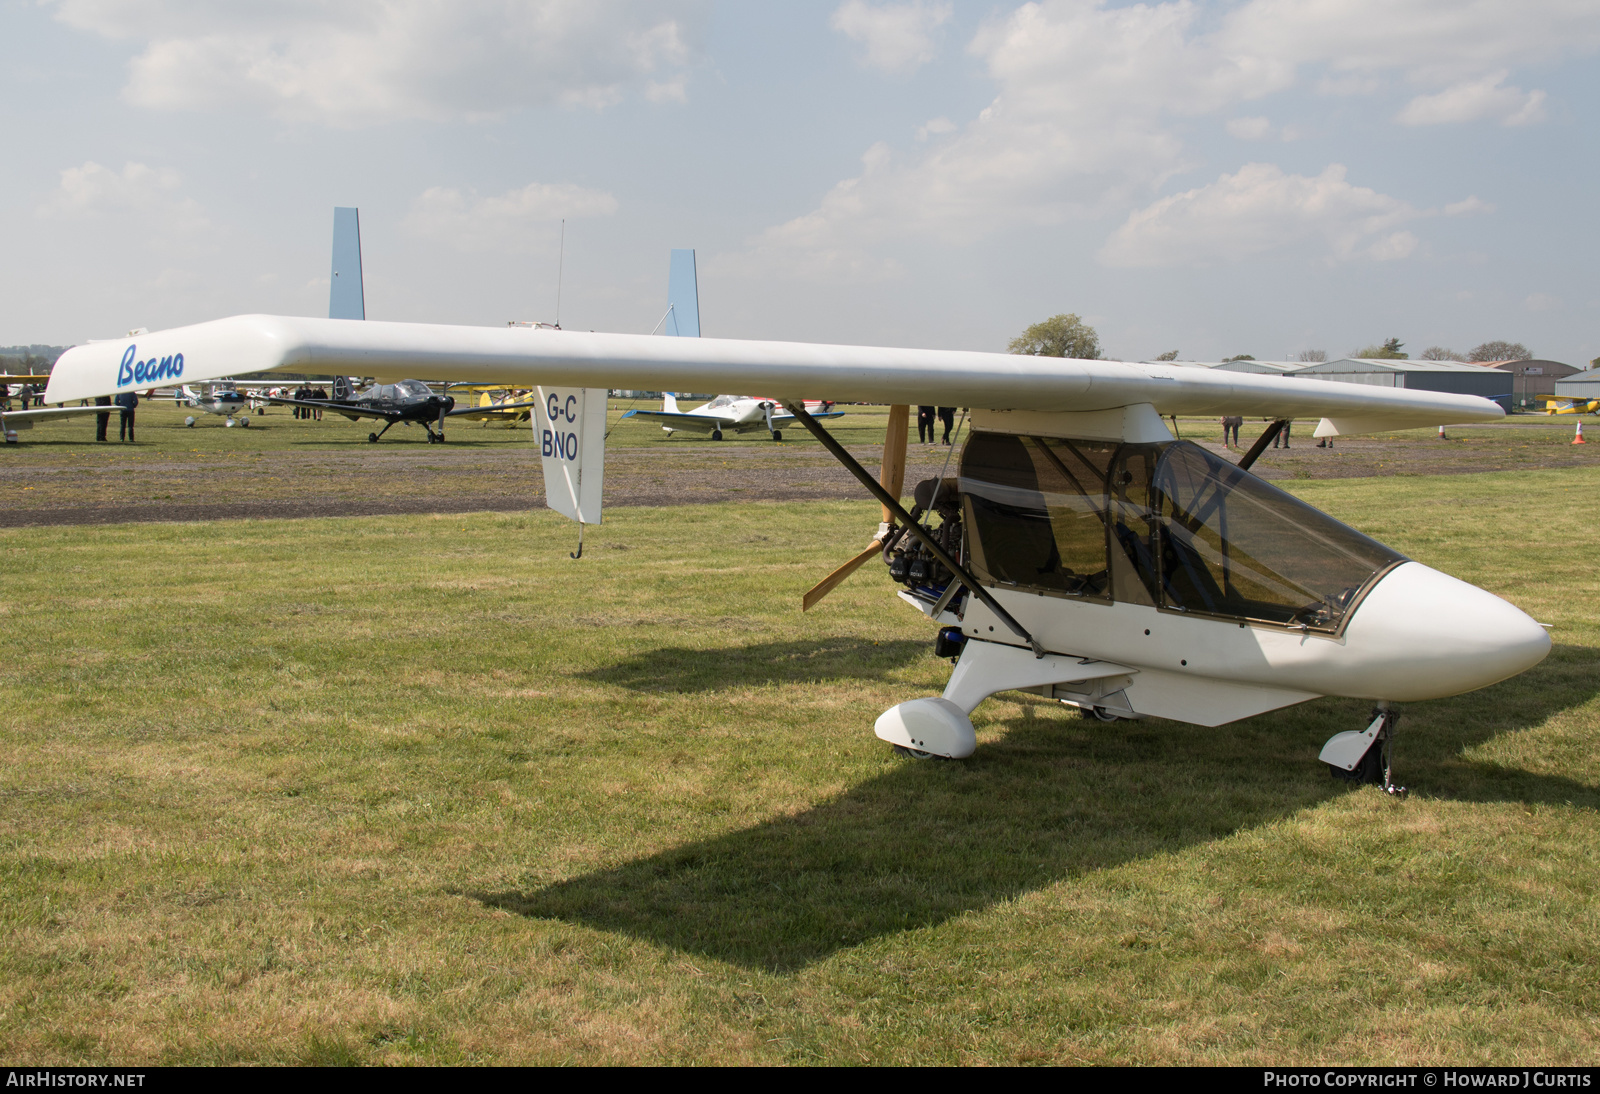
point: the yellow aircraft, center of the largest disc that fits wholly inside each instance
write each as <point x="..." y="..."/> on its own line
<point x="499" y="404"/>
<point x="1564" y="404"/>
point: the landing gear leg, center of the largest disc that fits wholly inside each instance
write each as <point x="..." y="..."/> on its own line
<point x="1366" y="756"/>
<point x="373" y="437"/>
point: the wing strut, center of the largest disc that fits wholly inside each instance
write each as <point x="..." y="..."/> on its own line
<point x="892" y="504"/>
<point x="1262" y="441"/>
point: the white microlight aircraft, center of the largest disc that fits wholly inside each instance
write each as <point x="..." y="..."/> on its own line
<point x="1083" y="552"/>
<point x="223" y="400"/>
<point x="730" y="414"/>
<point x="724" y="413"/>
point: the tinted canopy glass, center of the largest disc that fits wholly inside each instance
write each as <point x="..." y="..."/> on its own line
<point x="1036" y="508"/>
<point x="1173" y="524"/>
<point x="1234" y="545"/>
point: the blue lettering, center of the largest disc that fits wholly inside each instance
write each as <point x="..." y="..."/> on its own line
<point x="554" y="409"/>
<point x="165" y="368"/>
<point x="572" y="446"/>
<point x="177" y="366"/>
<point x="571" y="417"/>
<point x="125" y="369"/>
<point x="138" y="372"/>
<point x="547" y="446"/>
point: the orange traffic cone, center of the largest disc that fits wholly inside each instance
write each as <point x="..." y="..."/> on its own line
<point x="1579" y="438"/>
<point x="1442" y="437"/>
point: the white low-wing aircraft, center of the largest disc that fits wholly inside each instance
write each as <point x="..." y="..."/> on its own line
<point x="730" y="414"/>
<point x="1083" y="552"/>
<point x="223" y="400"/>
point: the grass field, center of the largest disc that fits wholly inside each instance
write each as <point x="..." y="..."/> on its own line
<point x="402" y="790"/>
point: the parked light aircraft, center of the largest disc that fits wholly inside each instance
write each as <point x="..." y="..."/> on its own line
<point x="1082" y="552"/>
<point x="223" y="400"/>
<point x="1562" y="404"/>
<point x="724" y="413"/>
<point x="730" y="414"/>
<point x="407" y="401"/>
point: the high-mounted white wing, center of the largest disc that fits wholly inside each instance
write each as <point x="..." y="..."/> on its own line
<point x="569" y="425"/>
<point x="525" y="357"/>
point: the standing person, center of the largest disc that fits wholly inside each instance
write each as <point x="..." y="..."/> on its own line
<point x="102" y="421"/>
<point x="924" y="425"/>
<point x="129" y="402"/>
<point x="947" y="415"/>
<point x="1283" y="434"/>
<point x="1230" y="430"/>
<point x="318" y="392"/>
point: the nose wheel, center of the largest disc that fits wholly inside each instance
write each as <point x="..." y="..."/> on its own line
<point x="1366" y="756"/>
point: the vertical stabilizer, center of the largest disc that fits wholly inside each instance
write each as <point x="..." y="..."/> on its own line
<point x="683" y="297"/>
<point x="669" y="402"/>
<point x="346" y="299"/>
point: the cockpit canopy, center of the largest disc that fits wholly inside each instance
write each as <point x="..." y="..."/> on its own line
<point x="722" y="401"/>
<point x="412" y="389"/>
<point x="1164" y="524"/>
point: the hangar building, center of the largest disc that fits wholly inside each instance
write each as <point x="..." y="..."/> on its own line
<point x="1580" y="385"/>
<point x="1452" y="376"/>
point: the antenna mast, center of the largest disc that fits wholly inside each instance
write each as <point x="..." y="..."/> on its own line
<point x="561" y="261"/>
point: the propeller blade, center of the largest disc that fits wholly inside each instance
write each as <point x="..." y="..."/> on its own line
<point x="892" y="471"/>
<point x="835" y="579"/>
<point x="892" y="474"/>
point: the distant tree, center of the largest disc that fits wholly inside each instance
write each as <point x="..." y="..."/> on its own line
<point x="1058" y="336"/>
<point x="1313" y="355"/>
<point x="1389" y="351"/>
<point x="1500" y="351"/>
<point x="1439" y="353"/>
<point x="1238" y="357"/>
<point x="1170" y="355"/>
<point x="1595" y="363"/>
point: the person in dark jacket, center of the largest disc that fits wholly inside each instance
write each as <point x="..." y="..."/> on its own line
<point x="129" y="402"/>
<point x="947" y="416"/>
<point x="102" y="421"/>
<point x="924" y="425"/>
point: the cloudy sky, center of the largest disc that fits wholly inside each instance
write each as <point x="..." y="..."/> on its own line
<point x="1258" y="176"/>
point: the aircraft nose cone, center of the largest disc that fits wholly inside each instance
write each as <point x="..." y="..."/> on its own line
<point x="1429" y="635"/>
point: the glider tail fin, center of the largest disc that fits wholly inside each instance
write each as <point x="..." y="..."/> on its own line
<point x="669" y="402"/>
<point x="346" y="298"/>
<point x="342" y="389"/>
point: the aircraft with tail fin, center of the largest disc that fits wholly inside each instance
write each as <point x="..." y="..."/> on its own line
<point x="725" y="413"/>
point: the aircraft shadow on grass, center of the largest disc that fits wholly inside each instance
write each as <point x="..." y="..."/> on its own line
<point x="799" y="662"/>
<point x="1057" y="797"/>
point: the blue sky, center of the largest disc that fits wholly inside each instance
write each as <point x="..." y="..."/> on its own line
<point x="1257" y="177"/>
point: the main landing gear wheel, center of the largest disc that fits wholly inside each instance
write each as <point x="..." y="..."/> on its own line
<point x="373" y="437"/>
<point x="245" y="422"/>
<point x="1099" y="714"/>
<point x="716" y="434"/>
<point x="777" y="434"/>
<point x="915" y="753"/>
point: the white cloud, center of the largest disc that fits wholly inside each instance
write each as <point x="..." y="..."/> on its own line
<point x="516" y="220"/>
<point x="899" y="37"/>
<point x="1476" y="100"/>
<point x="1467" y="206"/>
<point x="137" y="193"/>
<point x="935" y="127"/>
<point x="1249" y="129"/>
<point x="1088" y="96"/>
<point x="1260" y="209"/>
<point x="377" y="60"/>
<point x="1542" y="302"/>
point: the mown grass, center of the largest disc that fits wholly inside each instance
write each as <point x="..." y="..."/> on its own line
<point x="424" y="789"/>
